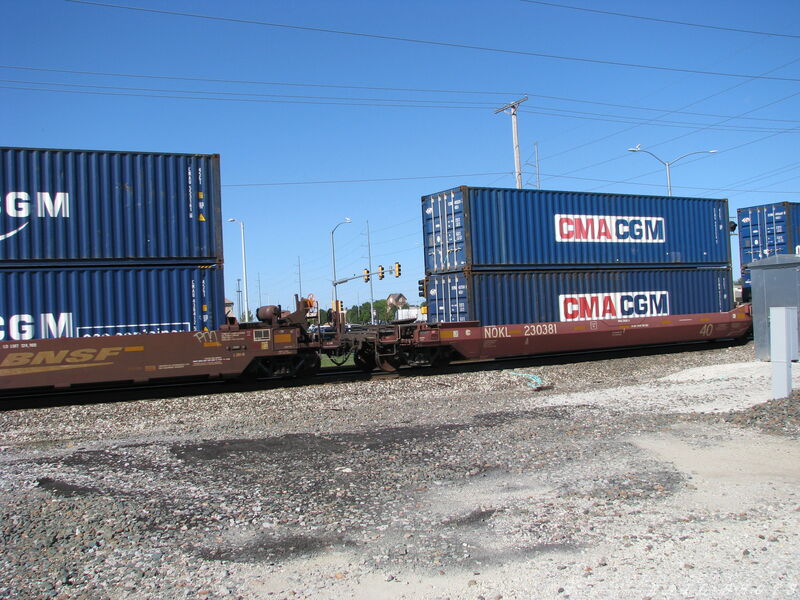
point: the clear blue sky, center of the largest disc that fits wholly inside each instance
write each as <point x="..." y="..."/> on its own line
<point x="294" y="110"/>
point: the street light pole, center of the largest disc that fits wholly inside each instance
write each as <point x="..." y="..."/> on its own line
<point x="371" y="292"/>
<point x="333" y="261"/>
<point x="667" y="164"/>
<point x="245" y="304"/>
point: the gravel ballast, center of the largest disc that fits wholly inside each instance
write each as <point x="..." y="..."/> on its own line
<point x="657" y="476"/>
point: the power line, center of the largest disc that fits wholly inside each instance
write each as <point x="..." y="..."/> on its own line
<point x="250" y="94"/>
<point x="740" y="84"/>
<point x="718" y="123"/>
<point x="670" y="21"/>
<point x="355" y="87"/>
<point x="431" y="42"/>
<point x="693" y="103"/>
<point x="703" y="157"/>
<point x="367" y="102"/>
<point x="394" y="225"/>
<point x="247" y="100"/>
<point x="553" y="175"/>
<point x="767" y="174"/>
<point x="249" y="81"/>
<point x="659" y="185"/>
<point x="337" y="181"/>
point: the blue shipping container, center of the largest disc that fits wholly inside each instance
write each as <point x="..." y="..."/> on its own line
<point x="98" y="206"/>
<point x="497" y="298"/>
<point x="97" y="301"/>
<point x="765" y="231"/>
<point x="504" y="229"/>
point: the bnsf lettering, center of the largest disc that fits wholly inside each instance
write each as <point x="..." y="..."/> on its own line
<point x="605" y="228"/>
<point x="48" y="357"/>
<point x="620" y="305"/>
<point x="23" y="327"/>
<point x="18" y="204"/>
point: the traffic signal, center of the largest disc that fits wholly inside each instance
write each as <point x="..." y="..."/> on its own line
<point x="421" y="288"/>
<point x="366" y="275"/>
<point x="397" y="269"/>
<point x="380" y="271"/>
<point x="339" y="306"/>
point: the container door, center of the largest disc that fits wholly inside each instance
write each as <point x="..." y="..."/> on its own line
<point x="447" y="298"/>
<point x="763" y="232"/>
<point x="443" y="228"/>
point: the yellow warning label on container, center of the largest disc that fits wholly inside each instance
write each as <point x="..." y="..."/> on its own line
<point x="205" y="307"/>
<point x="201" y="217"/>
<point x="200" y="195"/>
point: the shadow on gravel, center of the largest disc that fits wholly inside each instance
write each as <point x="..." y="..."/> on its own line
<point x="373" y="440"/>
<point x="64" y="489"/>
<point x="476" y="517"/>
<point x="267" y="547"/>
<point x="105" y="458"/>
<point x="631" y="486"/>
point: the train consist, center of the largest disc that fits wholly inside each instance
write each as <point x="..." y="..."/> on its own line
<point x="112" y="275"/>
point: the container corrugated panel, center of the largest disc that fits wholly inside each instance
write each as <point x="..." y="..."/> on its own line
<point x="577" y="295"/>
<point x="98" y="206"/>
<point x="98" y="301"/>
<point x="504" y="229"/>
<point x="767" y="230"/>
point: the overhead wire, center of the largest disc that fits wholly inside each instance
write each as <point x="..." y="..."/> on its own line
<point x="380" y="179"/>
<point x="362" y="87"/>
<point x="686" y="106"/>
<point x="372" y="102"/>
<point x="549" y="175"/>
<point x="658" y="185"/>
<point x="660" y="20"/>
<point x="393" y="225"/>
<point x="420" y="41"/>
<point x="439" y="43"/>
<point x="665" y="113"/>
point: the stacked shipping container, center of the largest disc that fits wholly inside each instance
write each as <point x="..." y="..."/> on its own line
<point x="108" y="243"/>
<point x="765" y="231"/>
<point x="520" y="256"/>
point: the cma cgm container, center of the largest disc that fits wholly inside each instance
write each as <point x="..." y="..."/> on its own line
<point x="496" y="298"/>
<point x="765" y="231"/>
<point x="100" y="206"/>
<point x="72" y="301"/>
<point x="504" y="229"/>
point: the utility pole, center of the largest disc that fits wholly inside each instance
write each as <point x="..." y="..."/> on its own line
<point x="538" y="178"/>
<point x="299" y="277"/>
<point x="246" y="307"/>
<point x="239" y="299"/>
<point x="260" y="296"/>
<point x="512" y="110"/>
<point x="371" y="294"/>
